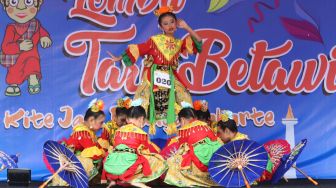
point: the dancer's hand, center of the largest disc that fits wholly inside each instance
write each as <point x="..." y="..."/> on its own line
<point x="113" y="57"/>
<point x="182" y="24"/>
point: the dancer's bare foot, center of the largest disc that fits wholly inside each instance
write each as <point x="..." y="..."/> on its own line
<point x="112" y="183"/>
<point x="140" y="185"/>
<point x="103" y="181"/>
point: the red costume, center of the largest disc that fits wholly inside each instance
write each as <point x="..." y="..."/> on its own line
<point x="137" y="140"/>
<point x="84" y="140"/>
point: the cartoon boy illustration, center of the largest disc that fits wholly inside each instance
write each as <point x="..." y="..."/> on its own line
<point x="19" y="50"/>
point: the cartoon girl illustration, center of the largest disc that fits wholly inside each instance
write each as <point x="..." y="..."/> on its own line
<point x="19" y="49"/>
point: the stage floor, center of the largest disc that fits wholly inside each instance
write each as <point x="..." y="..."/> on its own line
<point x="304" y="183"/>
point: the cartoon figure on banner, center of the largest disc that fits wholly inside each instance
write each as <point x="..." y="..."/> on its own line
<point x="19" y="52"/>
<point x="161" y="87"/>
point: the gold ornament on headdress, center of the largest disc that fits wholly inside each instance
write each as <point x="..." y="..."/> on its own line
<point x="178" y="108"/>
<point x="163" y="10"/>
<point x="124" y="102"/>
<point x="96" y="105"/>
<point x="226" y="115"/>
<point x="201" y="105"/>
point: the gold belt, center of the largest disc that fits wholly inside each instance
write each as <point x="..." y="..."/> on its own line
<point x="199" y="142"/>
<point x="165" y="67"/>
<point x="129" y="150"/>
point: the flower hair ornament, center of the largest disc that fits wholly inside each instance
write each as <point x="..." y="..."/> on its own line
<point x="171" y="128"/>
<point x="136" y="102"/>
<point x="226" y="115"/>
<point x="124" y="102"/>
<point x="163" y="10"/>
<point x="201" y="105"/>
<point x="127" y="102"/>
<point x="184" y="104"/>
<point x="96" y="105"/>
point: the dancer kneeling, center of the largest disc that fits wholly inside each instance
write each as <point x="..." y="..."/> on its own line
<point x="131" y="160"/>
<point x="83" y="141"/>
<point x="109" y="128"/>
<point x="227" y="129"/>
<point x="189" y="166"/>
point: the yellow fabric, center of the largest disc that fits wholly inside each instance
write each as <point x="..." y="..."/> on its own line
<point x="82" y="127"/>
<point x="111" y="127"/>
<point x="214" y="127"/>
<point x="133" y="48"/>
<point x="103" y="143"/>
<point x="91" y="151"/>
<point x="157" y="164"/>
<point x="171" y="128"/>
<point x="142" y="91"/>
<point x="155" y="146"/>
<point x="181" y="93"/>
<point x="152" y="129"/>
<point x="173" y="140"/>
<point x="240" y="136"/>
<point x="189" y="45"/>
<point x="89" y="168"/>
<point x="182" y="177"/>
<point x="168" y="46"/>
<point x="131" y="128"/>
<point x="193" y="124"/>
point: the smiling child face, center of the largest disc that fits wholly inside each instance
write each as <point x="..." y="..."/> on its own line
<point x="22" y="11"/>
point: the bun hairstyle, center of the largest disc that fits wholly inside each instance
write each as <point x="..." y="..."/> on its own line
<point x="122" y="105"/>
<point x="96" y="108"/>
<point x="201" y="110"/>
<point x="121" y="111"/>
<point x="133" y="107"/>
<point x="136" y="112"/>
<point x="227" y="121"/>
<point x="188" y="113"/>
<point x="229" y="124"/>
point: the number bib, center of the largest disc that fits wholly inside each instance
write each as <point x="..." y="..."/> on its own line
<point x="162" y="79"/>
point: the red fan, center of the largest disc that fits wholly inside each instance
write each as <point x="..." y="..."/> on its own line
<point x="275" y="149"/>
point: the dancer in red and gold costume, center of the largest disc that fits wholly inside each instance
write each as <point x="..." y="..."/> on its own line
<point x="131" y="160"/>
<point x="161" y="87"/>
<point x="109" y="128"/>
<point x="83" y="141"/>
<point x="188" y="167"/>
<point x="227" y="129"/>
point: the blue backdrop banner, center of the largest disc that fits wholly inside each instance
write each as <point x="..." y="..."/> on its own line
<point x="273" y="63"/>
